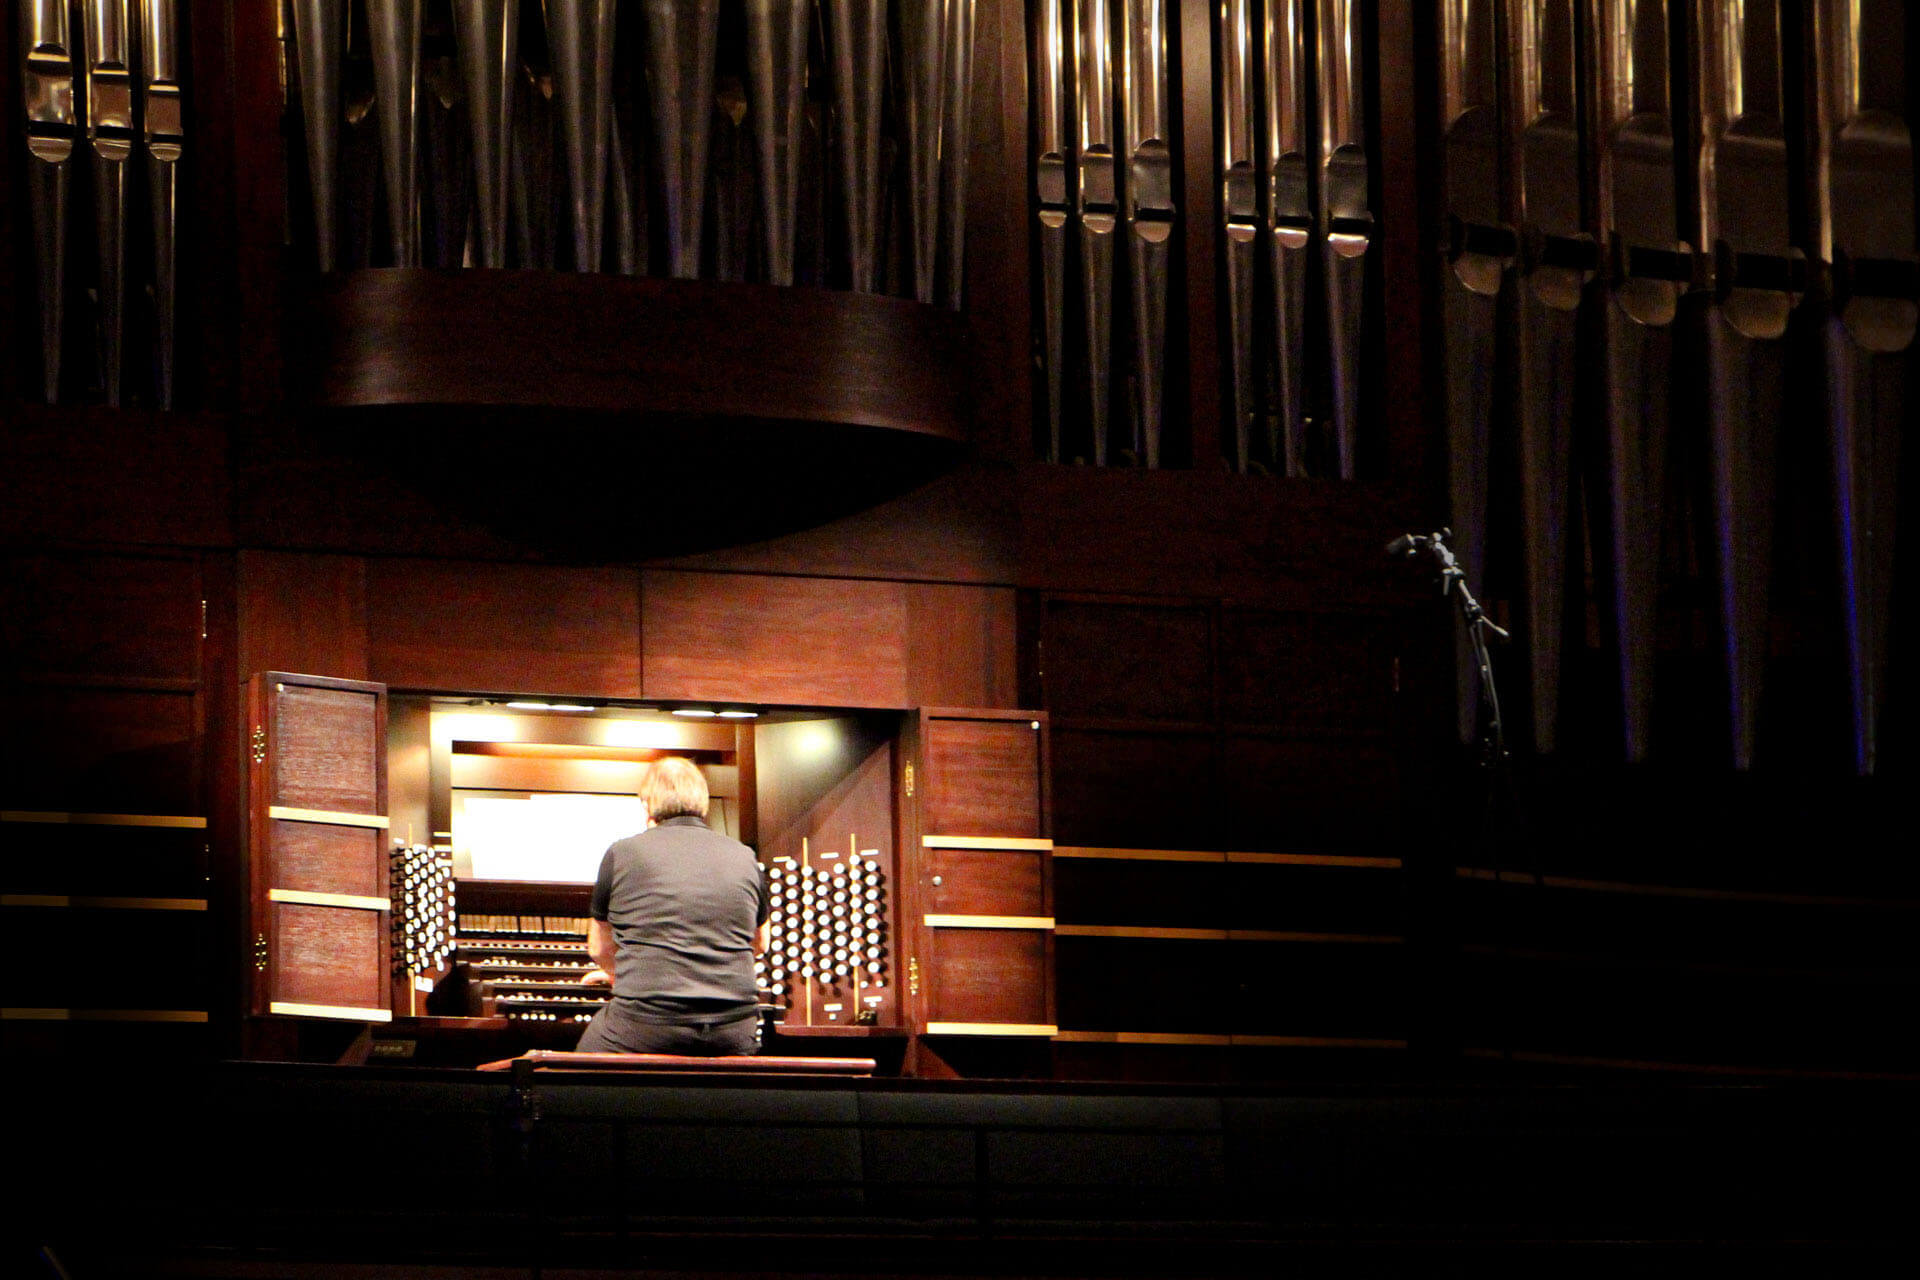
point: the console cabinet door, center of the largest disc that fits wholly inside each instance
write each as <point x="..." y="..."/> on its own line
<point x="317" y="836"/>
<point x="983" y="875"/>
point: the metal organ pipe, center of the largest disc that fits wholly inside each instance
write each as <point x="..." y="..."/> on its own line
<point x="1052" y="63"/>
<point x="53" y="118"/>
<point x="110" y="140"/>
<point x="681" y="36"/>
<point x="1147" y="128"/>
<point x="395" y="37"/>
<point x="1097" y="203"/>
<point x="776" y="77"/>
<point x="856" y="57"/>
<point x="1289" y="222"/>
<point x="487" y="33"/>
<point x="580" y="37"/>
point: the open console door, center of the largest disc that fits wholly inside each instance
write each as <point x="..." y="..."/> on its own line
<point x="317" y="834"/>
<point x="978" y="827"/>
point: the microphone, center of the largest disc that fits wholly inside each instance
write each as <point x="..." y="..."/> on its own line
<point x="1405" y="545"/>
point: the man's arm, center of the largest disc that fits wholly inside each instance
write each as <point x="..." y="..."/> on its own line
<point x="600" y="949"/>
<point x="762" y="937"/>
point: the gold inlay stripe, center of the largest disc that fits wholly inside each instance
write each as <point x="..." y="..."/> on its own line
<point x="306" y="898"/>
<point x="330" y="1011"/>
<point x="1218" y="935"/>
<point x="101" y="904"/>
<point x="1139" y="1037"/>
<point x="1677" y="891"/>
<point x="103" y="1015"/>
<point x="989" y="922"/>
<point x="1138" y="855"/>
<point x="329" y="816"/>
<point x="985" y="842"/>
<point x="104" y="819"/>
<point x="1138" y="931"/>
<point x="1317" y="860"/>
<point x="992" y="1029"/>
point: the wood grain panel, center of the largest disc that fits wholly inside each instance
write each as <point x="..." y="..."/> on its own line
<point x="504" y="628"/>
<point x="303" y="612"/>
<point x="128" y="476"/>
<point x="1136" y="790"/>
<point x="981" y="778"/>
<point x="327" y="747"/>
<point x="99" y="751"/>
<point x="802" y="641"/>
<point x="1331" y="671"/>
<point x="318" y="858"/>
<point x="131" y="617"/>
<point x="1343" y="900"/>
<point x="995" y="975"/>
<point x="505" y="773"/>
<point x="1316" y="796"/>
<point x="986" y="882"/>
<point x="320" y="956"/>
<point x="1128" y="661"/>
<point x="960" y="646"/>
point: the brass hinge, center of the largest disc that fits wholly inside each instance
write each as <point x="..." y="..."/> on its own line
<point x="913" y="975"/>
<point x="909" y="779"/>
<point x="259" y="744"/>
<point x="260" y="952"/>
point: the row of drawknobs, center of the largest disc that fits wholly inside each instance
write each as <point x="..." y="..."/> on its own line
<point x="1674" y="248"/>
<point x="1293" y="187"/>
<point x="516" y="94"/>
<point x="826" y="924"/>
<point x="421" y="883"/>
<point x="102" y="81"/>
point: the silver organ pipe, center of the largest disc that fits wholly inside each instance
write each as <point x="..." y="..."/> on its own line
<point x="1052" y="64"/>
<point x="164" y="131"/>
<point x="1096" y="204"/>
<point x="1240" y="224"/>
<point x="680" y="45"/>
<point x="1346" y="219"/>
<point x="919" y="52"/>
<point x="580" y="38"/>
<point x="110" y="141"/>
<point x="1148" y="190"/>
<point x="487" y="33"/>
<point x="394" y="30"/>
<point x="1863" y="202"/>
<point x="319" y="35"/>
<point x="1289" y="223"/>
<point x="776" y="79"/>
<point x="856" y="58"/>
<point x="54" y="125"/>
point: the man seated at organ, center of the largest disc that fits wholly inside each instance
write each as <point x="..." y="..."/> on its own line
<point x="679" y="912"/>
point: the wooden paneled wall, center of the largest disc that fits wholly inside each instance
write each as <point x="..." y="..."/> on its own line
<point x="104" y="751"/>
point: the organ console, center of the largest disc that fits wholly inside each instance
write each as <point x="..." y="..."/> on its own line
<point x="906" y="867"/>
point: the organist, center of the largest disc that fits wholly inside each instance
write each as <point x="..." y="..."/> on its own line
<point x="679" y="912"/>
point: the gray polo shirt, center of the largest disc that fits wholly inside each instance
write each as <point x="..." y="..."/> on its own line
<point x="684" y="902"/>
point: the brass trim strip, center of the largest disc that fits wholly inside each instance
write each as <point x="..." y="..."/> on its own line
<point x="985" y="842"/>
<point x="329" y="816"/>
<point x="1218" y="935"/>
<point x="992" y="1029"/>
<point x="309" y="899"/>
<point x="1317" y="860"/>
<point x="101" y="904"/>
<point x="329" y="1011"/>
<point x="104" y="819"/>
<point x="1137" y="1037"/>
<point x="988" y="922"/>
<point x="1316" y="1042"/>
<point x="1677" y="891"/>
<point x="1692" y="1068"/>
<point x="1138" y="855"/>
<point x="103" y="1015"/>
<point x="1210" y="855"/>
<point x="1137" y="931"/>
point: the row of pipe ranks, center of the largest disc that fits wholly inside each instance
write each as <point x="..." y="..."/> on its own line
<point x="513" y="77"/>
<point x="827" y="924"/>
<point x="420" y="880"/>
